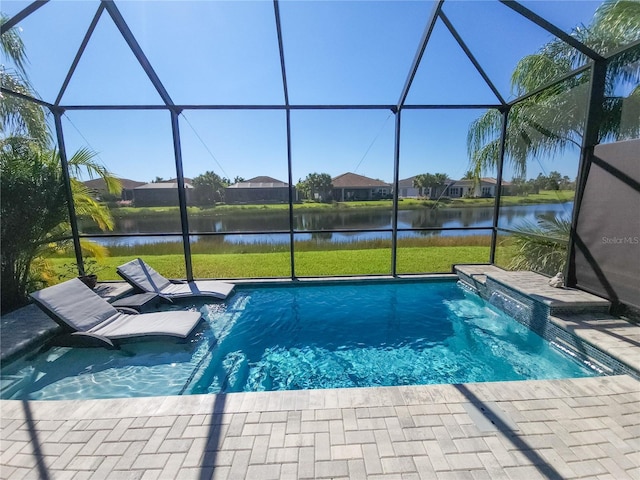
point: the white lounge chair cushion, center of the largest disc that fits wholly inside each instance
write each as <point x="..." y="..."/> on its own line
<point x="81" y="309"/>
<point x="207" y="288"/>
<point x="148" y="324"/>
<point x="144" y="277"/>
<point x="75" y="304"/>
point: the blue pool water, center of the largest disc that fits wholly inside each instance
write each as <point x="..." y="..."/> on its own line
<point x="308" y="337"/>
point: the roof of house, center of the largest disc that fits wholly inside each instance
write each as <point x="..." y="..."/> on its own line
<point x="161" y="186"/>
<point x="175" y="180"/>
<point x="260" y="182"/>
<point x="98" y="184"/>
<point x="406" y="182"/>
<point x="353" y="180"/>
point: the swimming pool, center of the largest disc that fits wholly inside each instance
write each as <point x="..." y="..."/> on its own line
<point x="308" y="337"/>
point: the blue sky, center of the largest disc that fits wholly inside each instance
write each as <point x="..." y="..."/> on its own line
<point x="336" y="52"/>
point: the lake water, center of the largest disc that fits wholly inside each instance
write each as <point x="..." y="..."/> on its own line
<point x="338" y="219"/>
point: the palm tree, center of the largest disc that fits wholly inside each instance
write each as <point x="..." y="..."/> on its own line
<point x="34" y="219"/>
<point x="35" y="216"/>
<point x="19" y="117"/>
<point x="429" y="183"/>
<point x="541" y="246"/>
<point x="549" y="122"/>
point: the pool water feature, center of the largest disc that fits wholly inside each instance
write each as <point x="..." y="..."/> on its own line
<point x="309" y="337"/>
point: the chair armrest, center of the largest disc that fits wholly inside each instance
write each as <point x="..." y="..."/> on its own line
<point x="179" y="282"/>
<point x="129" y="310"/>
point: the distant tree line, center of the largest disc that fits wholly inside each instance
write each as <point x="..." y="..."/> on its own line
<point x="553" y="181"/>
<point x="209" y="187"/>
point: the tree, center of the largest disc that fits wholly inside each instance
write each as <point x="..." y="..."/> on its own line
<point x="19" y="117"/>
<point x="553" y="181"/>
<point x="429" y="183"/>
<point x="35" y="216"/>
<point x="317" y="186"/>
<point x="208" y="188"/>
<point x="567" y="184"/>
<point x="549" y="122"/>
<point x="28" y="179"/>
<point x="541" y="246"/>
<point x="303" y="190"/>
<point x="34" y="221"/>
<point x="520" y="186"/>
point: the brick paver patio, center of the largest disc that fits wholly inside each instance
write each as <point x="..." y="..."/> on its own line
<point x="580" y="428"/>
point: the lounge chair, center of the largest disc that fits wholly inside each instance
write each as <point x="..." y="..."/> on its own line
<point x="145" y="278"/>
<point x="89" y="320"/>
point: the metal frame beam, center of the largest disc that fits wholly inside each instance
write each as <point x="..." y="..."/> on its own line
<point x="21" y="15"/>
<point x="498" y="194"/>
<point x="552" y="29"/>
<point x="81" y="50"/>
<point x="284" y="107"/>
<point x="431" y="23"/>
<point x="590" y="139"/>
<point x="396" y="181"/>
<point x="128" y="36"/>
<point x="470" y="56"/>
<point x="27" y="98"/>
<point x="64" y="164"/>
<point x="285" y="88"/>
<point x="182" y="194"/>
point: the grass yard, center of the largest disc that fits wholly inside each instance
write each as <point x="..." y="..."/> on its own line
<point x="308" y="263"/>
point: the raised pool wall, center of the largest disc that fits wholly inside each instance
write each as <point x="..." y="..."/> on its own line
<point x="545" y="311"/>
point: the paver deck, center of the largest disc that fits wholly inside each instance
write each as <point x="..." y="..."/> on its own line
<point x="581" y="428"/>
<point x="565" y="429"/>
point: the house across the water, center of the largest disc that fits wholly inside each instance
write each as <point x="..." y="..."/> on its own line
<point x="98" y="187"/>
<point x="351" y="186"/>
<point x="161" y="194"/>
<point x="260" y="189"/>
<point x="484" y="187"/>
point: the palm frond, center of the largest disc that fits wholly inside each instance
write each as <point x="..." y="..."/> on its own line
<point x="12" y="47"/>
<point x="87" y="206"/>
<point x="83" y="162"/>
<point x="541" y="246"/>
<point x="20" y="117"/>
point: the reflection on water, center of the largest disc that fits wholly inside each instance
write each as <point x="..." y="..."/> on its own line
<point x="363" y="219"/>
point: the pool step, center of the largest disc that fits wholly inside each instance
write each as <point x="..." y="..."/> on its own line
<point x="486" y="279"/>
<point x="603" y="337"/>
<point x="574" y="321"/>
<point x="10" y="384"/>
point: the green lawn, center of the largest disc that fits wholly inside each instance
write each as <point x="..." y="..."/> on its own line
<point x="309" y="263"/>
<point x="545" y="196"/>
